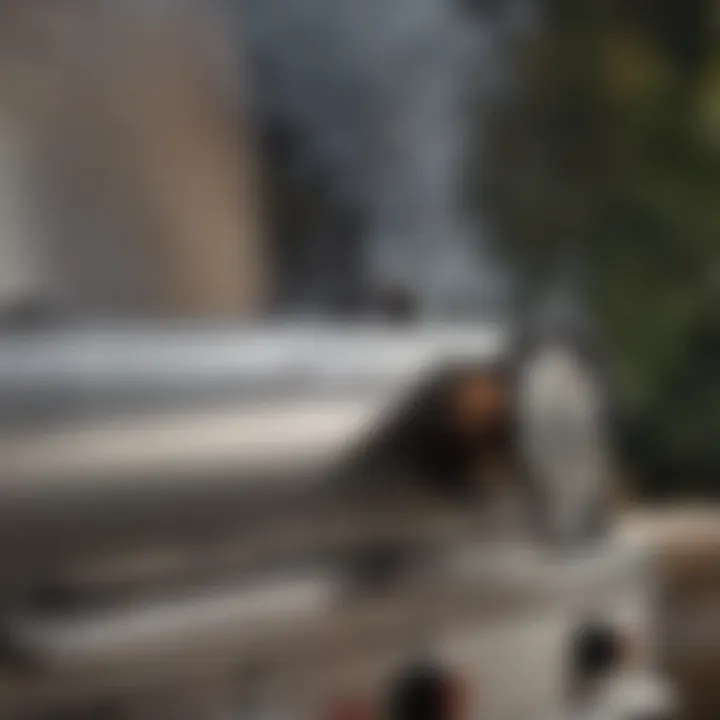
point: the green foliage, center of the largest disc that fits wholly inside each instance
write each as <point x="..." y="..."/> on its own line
<point x="611" y="153"/>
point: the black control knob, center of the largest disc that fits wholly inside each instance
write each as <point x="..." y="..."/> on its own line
<point x="425" y="691"/>
<point x="597" y="649"/>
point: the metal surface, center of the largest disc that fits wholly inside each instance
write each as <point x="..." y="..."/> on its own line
<point x="130" y="440"/>
<point x="88" y="370"/>
<point x="320" y="603"/>
<point x="193" y="494"/>
<point x="290" y="440"/>
<point x="500" y="619"/>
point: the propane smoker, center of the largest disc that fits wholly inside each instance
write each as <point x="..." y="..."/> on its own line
<point x="312" y="521"/>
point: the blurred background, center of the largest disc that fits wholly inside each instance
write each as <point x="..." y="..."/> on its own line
<point x="260" y="157"/>
<point x="249" y="159"/>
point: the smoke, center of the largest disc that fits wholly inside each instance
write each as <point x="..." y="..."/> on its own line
<point x="379" y="92"/>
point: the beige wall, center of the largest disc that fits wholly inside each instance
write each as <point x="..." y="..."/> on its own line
<point x="22" y="267"/>
<point x="144" y="200"/>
